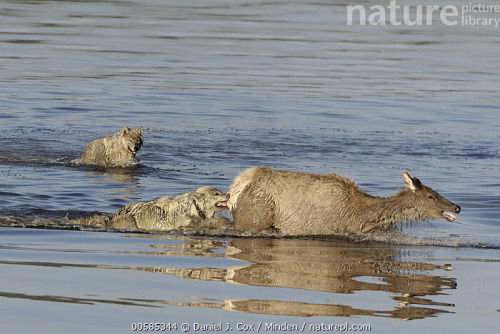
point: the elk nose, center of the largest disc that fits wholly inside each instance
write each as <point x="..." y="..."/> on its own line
<point x="457" y="208"/>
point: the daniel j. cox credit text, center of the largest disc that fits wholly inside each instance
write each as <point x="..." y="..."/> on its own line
<point x="261" y="327"/>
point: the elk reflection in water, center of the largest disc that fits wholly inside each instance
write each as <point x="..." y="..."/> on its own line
<point x="332" y="266"/>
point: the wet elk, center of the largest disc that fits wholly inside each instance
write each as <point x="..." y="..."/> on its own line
<point x="310" y="204"/>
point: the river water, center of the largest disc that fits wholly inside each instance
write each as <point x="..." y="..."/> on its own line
<point x="221" y="86"/>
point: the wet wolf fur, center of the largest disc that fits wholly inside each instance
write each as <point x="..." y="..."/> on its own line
<point x="192" y="209"/>
<point x="310" y="204"/>
<point x="119" y="148"/>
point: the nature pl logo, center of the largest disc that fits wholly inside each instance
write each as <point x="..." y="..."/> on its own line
<point x="398" y="13"/>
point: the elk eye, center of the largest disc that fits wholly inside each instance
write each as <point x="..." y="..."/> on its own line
<point x="431" y="197"/>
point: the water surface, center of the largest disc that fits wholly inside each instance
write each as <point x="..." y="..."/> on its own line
<point x="220" y="87"/>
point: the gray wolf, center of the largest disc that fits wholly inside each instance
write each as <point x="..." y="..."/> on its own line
<point x="120" y="148"/>
<point x="192" y="209"/>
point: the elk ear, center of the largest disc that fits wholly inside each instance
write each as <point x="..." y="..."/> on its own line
<point x="412" y="183"/>
<point x="125" y="130"/>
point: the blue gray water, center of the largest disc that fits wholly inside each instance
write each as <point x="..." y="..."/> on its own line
<point x="221" y="86"/>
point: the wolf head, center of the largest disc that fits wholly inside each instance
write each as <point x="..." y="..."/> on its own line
<point x="132" y="139"/>
<point x="211" y="201"/>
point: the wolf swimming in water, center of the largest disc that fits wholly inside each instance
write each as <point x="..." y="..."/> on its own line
<point x="192" y="209"/>
<point x="120" y="148"/>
